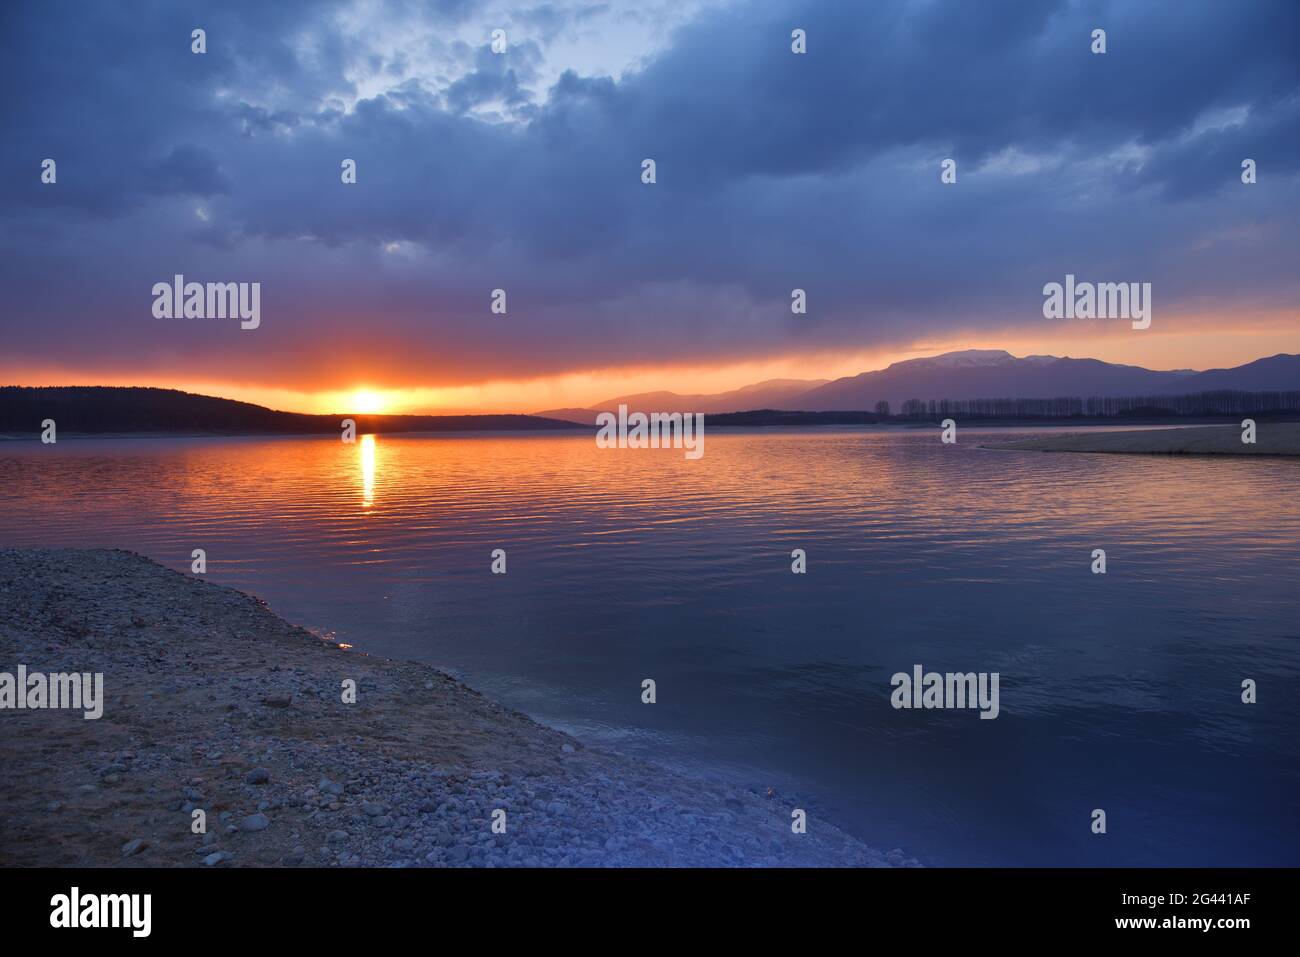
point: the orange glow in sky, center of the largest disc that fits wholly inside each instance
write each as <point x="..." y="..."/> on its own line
<point x="1186" y="342"/>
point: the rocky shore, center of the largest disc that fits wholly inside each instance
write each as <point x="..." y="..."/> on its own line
<point x="212" y="703"/>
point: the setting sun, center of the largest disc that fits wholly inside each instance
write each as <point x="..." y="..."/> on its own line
<point x="363" y="400"/>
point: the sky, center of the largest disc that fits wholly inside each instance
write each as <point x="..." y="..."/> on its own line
<point x="522" y="171"/>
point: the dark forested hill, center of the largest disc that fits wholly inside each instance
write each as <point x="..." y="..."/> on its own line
<point x="91" y="409"/>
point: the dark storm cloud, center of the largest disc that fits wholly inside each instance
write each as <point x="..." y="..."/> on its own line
<point x="497" y="78"/>
<point x="774" y="171"/>
<point x="187" y="169"/>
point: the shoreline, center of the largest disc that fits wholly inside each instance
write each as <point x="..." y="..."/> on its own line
<point x="212" y="702"/>
<point x="148" y="434"/>
<point x="729" y="425"/>
<point x="1273" y="440"/>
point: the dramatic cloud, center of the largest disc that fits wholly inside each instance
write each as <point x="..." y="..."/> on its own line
<point x="522" y="171"/>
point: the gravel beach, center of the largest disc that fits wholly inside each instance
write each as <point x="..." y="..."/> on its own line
<point x="1272" y="438"/>
<point x="213" y="703"/>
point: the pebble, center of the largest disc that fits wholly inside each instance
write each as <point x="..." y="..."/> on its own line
<point x="425" y="805"/>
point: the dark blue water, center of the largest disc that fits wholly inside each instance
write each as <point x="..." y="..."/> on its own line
<point x="1119" y="691"/>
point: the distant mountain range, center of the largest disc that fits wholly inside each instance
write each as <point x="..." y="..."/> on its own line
<point x="971" y="374"/>
<point x="103" y="409"/>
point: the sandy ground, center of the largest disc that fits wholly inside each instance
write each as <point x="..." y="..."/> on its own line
<point x="1271" y="438"/>
<point x="212" y="702"/>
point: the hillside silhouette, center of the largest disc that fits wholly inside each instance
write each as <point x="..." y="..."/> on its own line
<point x="104" y="409"/>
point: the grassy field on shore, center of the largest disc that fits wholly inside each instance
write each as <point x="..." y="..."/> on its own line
<point x="211" y="702"/>
<point x="1272" y="438"/>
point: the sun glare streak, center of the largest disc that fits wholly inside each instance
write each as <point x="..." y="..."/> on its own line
<point x="368" y="462"/>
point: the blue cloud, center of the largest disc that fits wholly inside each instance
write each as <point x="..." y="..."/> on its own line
<point x="774" y="171"/>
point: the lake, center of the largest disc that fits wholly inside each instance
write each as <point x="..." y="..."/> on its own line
<point x="1119" y="691"/>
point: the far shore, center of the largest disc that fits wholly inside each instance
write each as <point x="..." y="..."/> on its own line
<point x="1271" y="439"/>
<point x="211" y="703"/>
<point x="738" y="422"/>
<point x="193" y="434"/>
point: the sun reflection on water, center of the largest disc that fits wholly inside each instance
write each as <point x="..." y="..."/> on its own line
<point x="367" y="470"/>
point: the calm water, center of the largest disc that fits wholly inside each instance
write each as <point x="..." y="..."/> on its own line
<point x="1119" y="691"/>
